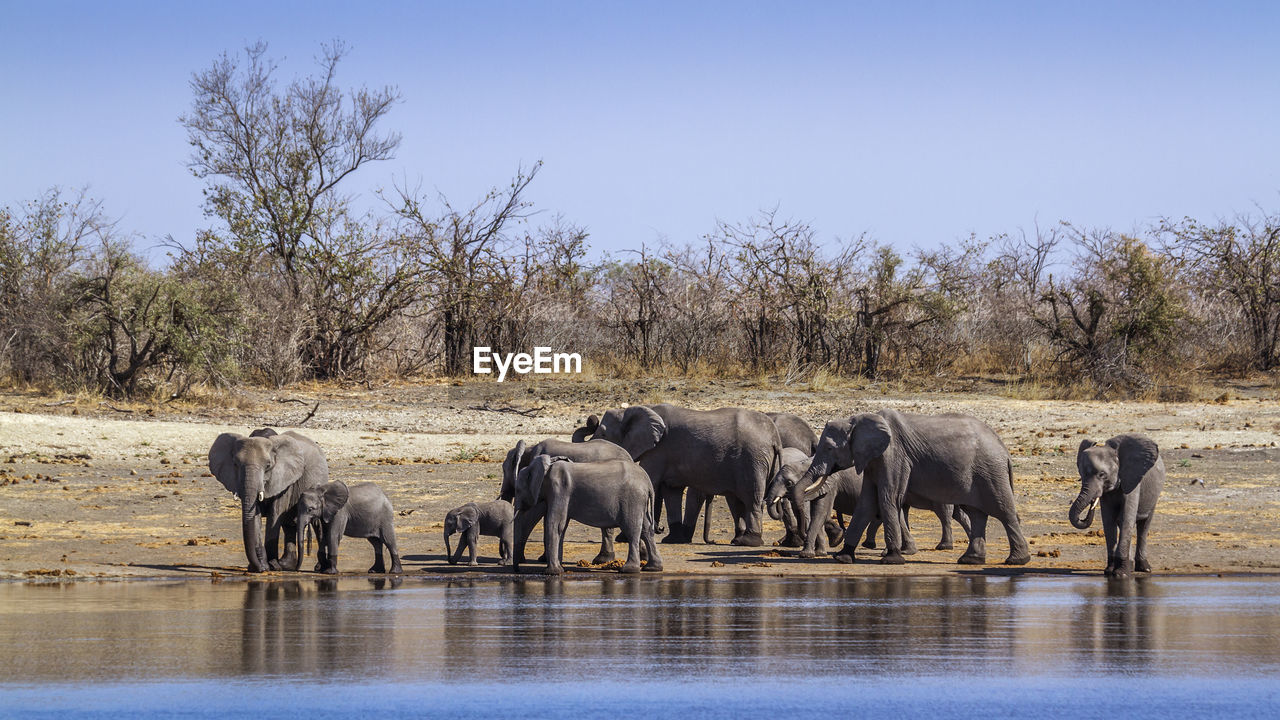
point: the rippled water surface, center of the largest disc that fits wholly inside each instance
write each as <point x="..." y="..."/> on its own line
<point x="715" y="647"/>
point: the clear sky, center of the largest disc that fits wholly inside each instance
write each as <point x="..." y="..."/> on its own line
<point x="916" y="122"/>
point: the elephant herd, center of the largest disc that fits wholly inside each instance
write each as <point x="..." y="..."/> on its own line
<point x="621" y="469"/>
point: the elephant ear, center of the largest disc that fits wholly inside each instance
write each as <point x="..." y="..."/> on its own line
<point x="222" y="461"/>
<point x="335" y="494"/>
<point x="870" y="438"/>
<point x="1136" y="454"/>
<point x="642" y="430"/>
<point x="289" y="463"/>
<point x="538" y="468"/>
<point x="1084" y="445"/>
<point x="468" y="515"/>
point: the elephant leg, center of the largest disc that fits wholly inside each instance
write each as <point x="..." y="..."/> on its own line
<point x="1128" y="523"/>
<point x="815" y="537"/>
<point x="693" y="502"/>
<point x="751" y="536"/>
<point x="606" y="554"/>
<point x="635" y="532"/>
<point x="944" y="519"/>
<point x="977" y="552"/>
<point x="891" y="518"/>
<point x="908" y="540"/>
<point x="524" y="524"/>
<point x="331" y="540"/>
<point x="962" y="518"/>
<point x="1019" y="550"/>
<point x="554" y="526"/>
<point x="706" y="521"/>
<point x="794" y="536"/>
<point x="292" y="557"/>
<point x="863" y="516"/>
<point x="678" y="534"/>
<point x="273" y="538"/>
<point x="389" y="539"/>
<point x="378" y="566"/>
<point x="872" y="528"/>
<point x="505" y="543"/>
<point x="1140" y="562"/>
<point x="654" y="562"/>
<point x="472" y="536"/>
<point x="1110" y="530"/>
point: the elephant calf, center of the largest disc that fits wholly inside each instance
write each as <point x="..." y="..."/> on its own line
<point x="361" y="510"/>
<point x="1123" y="476"/>
<point x="608" y="494"/>
<point x="495" y="518"/>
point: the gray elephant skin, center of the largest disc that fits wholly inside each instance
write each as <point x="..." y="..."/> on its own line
<point x="950" y="459"/>
<point x="608" y="494"/>
<point x="495" y="518"/>
<point x="1123" y="478"/>
<point x="841" y="496"/>
<point x="268" y="474"/>
<point x="521" y="455"/>
<point x="794" y="432"/>
<point x="361" y="510"/>
<point x="730" y="451"/>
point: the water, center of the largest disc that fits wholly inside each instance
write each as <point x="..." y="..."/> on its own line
<point x="713" y="647"/>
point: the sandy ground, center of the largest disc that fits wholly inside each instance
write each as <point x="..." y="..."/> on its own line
<point x="88" y="489"/>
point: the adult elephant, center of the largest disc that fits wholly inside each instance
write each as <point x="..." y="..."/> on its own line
<point x="730" y="451"/>
<point x="951" y="459"/>
<point x="269" y="475"/>
<point x="841" y="494"/>
<point x="794" y="432"/>
<point x="521" y="455"/>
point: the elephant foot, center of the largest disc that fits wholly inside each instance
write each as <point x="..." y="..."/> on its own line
<point x="1019" y="559"/>
<point x="790" y="540"/>
<point x="910" y="550"/>
<point x="967" y="559"/>
<point x="1141" y="565"/>
<point x="629" y="568"/>
<point x="843" y="557"/>
<point x="330" y="571"/>
<point x="603" y="558"/>
<point x="652" y="567"/>
<point x="554" y="570"/>
<point x="748" y="540"/>
<point x="396" y="569"/>
<point x="274" y="565"/>
<point x="893" y="559"/>
<point x="473" y="563"/>
<point x="453" y="561"/>
<point x="679" y="535"/>
<point x="869" y="544"/>
<point x="319" y="567"/>
<point x="944" y="546"/>
<point x="504" y="561"/>
<point x="807" y="554"/>
<point x="378" y="568"/>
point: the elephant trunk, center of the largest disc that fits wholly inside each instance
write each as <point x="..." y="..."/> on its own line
<point x="448" y="548"/>
<point x="813" y="477"/>
<point x="251" y="521"/>
<point x="772" y="507"/>
<point x="1086" y="501"/>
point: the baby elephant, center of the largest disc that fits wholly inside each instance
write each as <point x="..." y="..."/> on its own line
<point x="361" y="510"/>
<point x="1123" y="477"/>
<point x="495" y="518"/>
<point x="607" y="494"/>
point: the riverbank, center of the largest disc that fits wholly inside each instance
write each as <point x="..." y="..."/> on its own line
<point x="87" y="491"/>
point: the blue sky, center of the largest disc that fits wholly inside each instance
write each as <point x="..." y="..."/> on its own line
<point x="915" y="122"/>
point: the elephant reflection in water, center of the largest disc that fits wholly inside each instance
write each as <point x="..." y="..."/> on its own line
<point x="1118" y="616"/>
<point x="305" y="626"/>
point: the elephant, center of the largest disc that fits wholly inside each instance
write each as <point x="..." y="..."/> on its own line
<point x="607" y="494"/>
<point x="361" y="510"/>
<point x="841" y="496"/>
<point x="1122" y="476"/>
<point x="952" y="459"/>
<point x="520" y="456"/>
<point x="495" y="518"/>
<point x="794" y="432"/>
<point x="585" y="432"/>
<point x="268" y="474"/>
<point x="729" y="451"/>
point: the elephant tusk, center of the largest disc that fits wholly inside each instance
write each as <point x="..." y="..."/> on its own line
<point x="813" y="487"/>
<point x="259" y="496"/>
<point x="1094" y="504"/>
